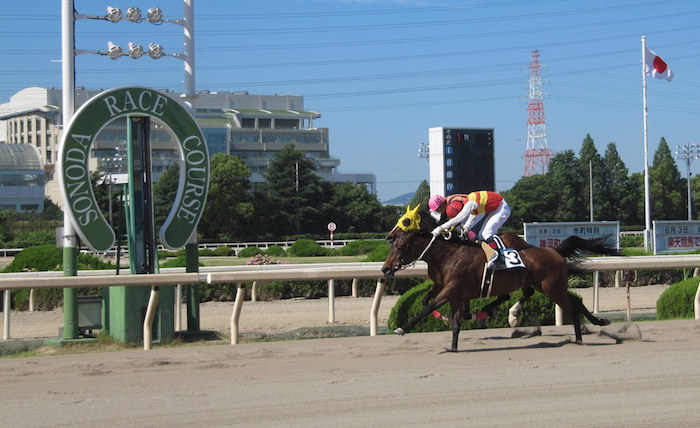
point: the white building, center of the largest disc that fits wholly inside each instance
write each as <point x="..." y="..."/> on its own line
<point x="252" y="127"/>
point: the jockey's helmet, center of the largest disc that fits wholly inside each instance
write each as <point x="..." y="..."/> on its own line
<point x="435" y="202"/>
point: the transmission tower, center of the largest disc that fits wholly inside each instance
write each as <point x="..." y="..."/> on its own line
<point x="537" y="153"/>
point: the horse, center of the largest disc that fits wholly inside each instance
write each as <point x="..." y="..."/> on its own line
<point x="457" y="270"/>
<point x="513" y="241"/>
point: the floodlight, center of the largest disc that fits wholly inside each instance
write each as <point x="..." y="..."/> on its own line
<point x="155" y="15"/>
<point x="135" y="51"/>
<point x="133" y="14"/>
<point x="155" y="51"/>
<point x="113" y="51"/>
<point x="113" y="14"/>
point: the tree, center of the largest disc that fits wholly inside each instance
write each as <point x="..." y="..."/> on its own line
<point x="531" y="199"/>
<point x="666" y="186"/>
<point x="619" y="191"/>
<point x="422" y="195"/>
<point x="592" y="166"/>
<point x="353" y="208"/>
<point x="295" y="192"/>
<point x="569" y="184"/>
<point x="228" y="213"/>
<point x="164" y="193"/>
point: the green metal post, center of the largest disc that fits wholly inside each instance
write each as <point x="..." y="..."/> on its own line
<point x="70" y="295"/>
<point x="192" y="265"/>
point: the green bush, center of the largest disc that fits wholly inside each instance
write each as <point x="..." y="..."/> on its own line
<point x="678" y="301"/>
<point x="306" y="248"/>
<point x="538" y="310"/>
<point x="223" y="251"/>
<point x="39" y="258"/>
<point x="179" y="261"/>
<point x="379" y="254"/>
<point x="276" y="251"/>
<point x="355" y="248"/>
<point x="250" y="251"/>
<point x="290" y="289"/>
<point x="205" y="252"/>
<point x="42" y="258"/>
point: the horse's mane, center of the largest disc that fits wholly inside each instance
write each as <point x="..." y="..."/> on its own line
<point x="427" y="225"/>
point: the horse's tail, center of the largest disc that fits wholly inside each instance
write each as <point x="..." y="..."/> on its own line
<point x="574" y="248"/>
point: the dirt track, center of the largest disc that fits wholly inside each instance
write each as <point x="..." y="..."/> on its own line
<point x="365" y="381"/>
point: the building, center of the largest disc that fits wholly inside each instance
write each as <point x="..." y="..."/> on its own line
<point x="21" y="178"/>
<point x="252" y="127"/>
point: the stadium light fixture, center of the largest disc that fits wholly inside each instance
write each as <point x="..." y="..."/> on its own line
<point x="133" y="14"/>
<point x="113" y="14"/>
<point x="135" y="51"/>
<point x="113" y="51"/>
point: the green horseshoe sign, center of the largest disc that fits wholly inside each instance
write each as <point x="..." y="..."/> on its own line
<point x="78" y="137"/>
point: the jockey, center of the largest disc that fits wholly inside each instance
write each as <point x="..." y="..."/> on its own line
<point x="467" y="210"/>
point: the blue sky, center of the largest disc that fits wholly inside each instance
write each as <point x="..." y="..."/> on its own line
<point x="383" y="72"/>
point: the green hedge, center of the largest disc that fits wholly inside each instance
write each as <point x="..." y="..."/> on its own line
<point x="538" y="310"/>
<point x="42" y="258"/>
<point x="678" y="301"/>
<point x="307" y="248"/>
<point x="250" y="252"/>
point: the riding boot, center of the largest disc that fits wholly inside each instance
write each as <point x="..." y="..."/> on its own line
<point x="496" y="261"/>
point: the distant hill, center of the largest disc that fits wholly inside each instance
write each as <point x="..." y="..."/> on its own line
<point x="400" y="200"/>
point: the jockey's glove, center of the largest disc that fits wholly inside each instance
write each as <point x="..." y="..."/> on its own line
<point x="438" y="230"/>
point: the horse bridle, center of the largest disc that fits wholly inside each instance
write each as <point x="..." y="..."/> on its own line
<point x="413" y="263"/>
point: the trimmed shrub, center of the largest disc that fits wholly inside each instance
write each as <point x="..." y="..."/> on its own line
<point x="290" y="289"/>
<point x="678" y="301"/>
<point x="250" y="251"/>
<point x="276" y="251"/>
<point x="356" y="248"/>
<point x="179" y="261"/>
<point x="223" y="251"/>
<point x="379" y="254"/>
<point x="38" y="258"/>
<point x="306" y="248"/>
<point x="205" y="252"/>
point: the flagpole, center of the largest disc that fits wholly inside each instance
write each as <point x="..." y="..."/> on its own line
<point x="647" y="201"/>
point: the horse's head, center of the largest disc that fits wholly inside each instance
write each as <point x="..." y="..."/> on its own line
<point x="401" y="238"/>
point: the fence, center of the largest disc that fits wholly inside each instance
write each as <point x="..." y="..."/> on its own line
<point x="290" y="272"/>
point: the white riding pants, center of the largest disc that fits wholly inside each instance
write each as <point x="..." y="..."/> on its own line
<point x="494" y="220"/>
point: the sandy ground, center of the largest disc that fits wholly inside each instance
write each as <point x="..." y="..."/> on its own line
<point x="382" y="381"/>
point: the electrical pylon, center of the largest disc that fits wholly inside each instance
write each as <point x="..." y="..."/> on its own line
<point x="537" y="153"/>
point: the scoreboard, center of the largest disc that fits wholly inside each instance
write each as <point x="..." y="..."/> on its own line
<point x="461" y="160"/>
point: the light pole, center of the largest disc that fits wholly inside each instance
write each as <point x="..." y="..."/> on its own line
<point x="155" y="51"/>
<point x="688" y="152"/>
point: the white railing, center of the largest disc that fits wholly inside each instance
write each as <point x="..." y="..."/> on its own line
<point x="291" y="272"/>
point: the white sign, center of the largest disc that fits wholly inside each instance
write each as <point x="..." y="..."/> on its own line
<point x="679" y="236"/>
<point x="331" y="227"/>
<point x="551" y="234"/>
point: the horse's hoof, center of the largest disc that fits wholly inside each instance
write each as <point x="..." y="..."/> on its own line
<point x="399" y="331"/>
<point x="603" y="321"/>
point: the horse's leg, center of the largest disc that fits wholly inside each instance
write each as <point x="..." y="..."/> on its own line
<point x="426" y="310"/>
<point x="592" y="318"/>
<point x="489" y="308"/>
<point x="456" y="323"/>
<point x="576" y="317"/>
<point x="515" y="309"/>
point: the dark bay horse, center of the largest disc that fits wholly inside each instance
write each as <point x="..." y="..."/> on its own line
<point x="457" y="269"/>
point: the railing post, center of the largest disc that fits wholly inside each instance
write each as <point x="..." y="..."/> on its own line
<point x="6" y="316"/>
<point x="374" y="312"/>
<point x="236" y="315"/>
<point x="331" y="301"/>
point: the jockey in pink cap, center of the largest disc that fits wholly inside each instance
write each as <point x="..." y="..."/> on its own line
<point x="466" y="210"/>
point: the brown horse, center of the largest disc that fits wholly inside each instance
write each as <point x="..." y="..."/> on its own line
<point x="457" y="270"/>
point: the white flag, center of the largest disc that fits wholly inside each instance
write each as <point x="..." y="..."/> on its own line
<point x="654" y="66"/>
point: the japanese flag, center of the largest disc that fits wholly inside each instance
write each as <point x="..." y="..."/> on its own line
<point x="654" y="66"/>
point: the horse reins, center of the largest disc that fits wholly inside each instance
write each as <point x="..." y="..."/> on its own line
<point x="424" y="251"/>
